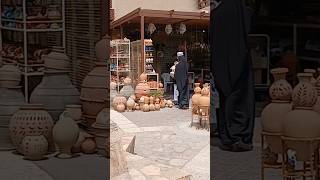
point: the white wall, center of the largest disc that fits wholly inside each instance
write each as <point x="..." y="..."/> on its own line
<point x="123" y="7"/>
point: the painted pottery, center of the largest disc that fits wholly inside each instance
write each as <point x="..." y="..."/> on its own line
<point x="65" y="135"/>
<point x="34" y="147"/>
<point x="302" y="122"/>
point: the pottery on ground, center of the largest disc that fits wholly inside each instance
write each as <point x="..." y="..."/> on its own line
<point x="88" y="146"/>
<point x="34" y="147"/>
<point x="101" y="130"/>
<point x="74" y="111"/>
<point x="119" y="99"/>
<point x="127" y="89"/>
<point x="130" y="104"/>
<point x="142" y="89"/>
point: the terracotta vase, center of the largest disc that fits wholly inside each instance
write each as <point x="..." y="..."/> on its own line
<point x="74" y="111"/>
<point x="204" y="99"/>
<point x="127" y="89"/>
<point x="102" y="49"/>
<point x="118" y="163"/>
<point x="302" y="122"/>
<point x="130" y="104"/>
<point x="94" y="90"/>
<point x="34" y="147"/>
<point x="142" y="89"/>
<point x="10" y="101"/>
<point x="119" y="99"/>
<point x="101" y="130"/>
<point x="31" y="120"/>
<point x="65" y="135"/>
<point x="88" y="146"/>
<point x="121" y="107"/>
<point x="313" y="72"/>
<point x="273" y="114"/>
<point x="55" y="92"/>
<point x="9" y="76"/>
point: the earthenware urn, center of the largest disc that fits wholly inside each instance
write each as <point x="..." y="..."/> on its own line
<point x="302" y="122"/>
<point x="118" y="164"/>
<point x="273" y="114"/>
<point x="65" y="135"/>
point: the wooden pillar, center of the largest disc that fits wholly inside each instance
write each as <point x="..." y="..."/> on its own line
<point x="142" y="43"/>
<point x="105" y="17"/>
<point x="121" y="32"/>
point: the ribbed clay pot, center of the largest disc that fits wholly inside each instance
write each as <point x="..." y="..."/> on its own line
<point x="119" y="99"/>
<point x="273" y="114"/>
<point x="9" y="76"/>
<point x="65" y="135"/>
<point x="142" y="89"/>
<point x="57" y="60"/>
<point x="34" y="147"/>
<point x="302" y="122"/>
<point x="31" y="120"/>
<point x="10" y="101"/>
<point x="94" y="90"/>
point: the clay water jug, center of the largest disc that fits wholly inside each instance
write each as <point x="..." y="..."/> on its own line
<point x="273" y="114"/>
<point x="65" y="135"/>
<point x="302" y="122"/>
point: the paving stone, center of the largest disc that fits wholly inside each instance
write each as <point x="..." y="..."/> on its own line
<point x="151" y="170"/>
<point x="177" y="162"/>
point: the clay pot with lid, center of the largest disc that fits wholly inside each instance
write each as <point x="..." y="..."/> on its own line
<point x="31" y="120"/>
<point x="10" y="76"/>
<point x="273" y="114"/>
<point x="302" y="122"/>
<point x="94" y="89"/>
<point x="127" y="89"/>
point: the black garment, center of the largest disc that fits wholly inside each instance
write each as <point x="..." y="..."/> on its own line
<point x="232" y="69"/>
<point x="181" y="77"/>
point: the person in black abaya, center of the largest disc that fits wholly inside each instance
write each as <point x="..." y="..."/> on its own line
<point x="232" y="71"/>
<point x="181" y="77"/>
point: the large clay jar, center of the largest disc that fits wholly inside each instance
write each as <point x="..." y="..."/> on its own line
<point x="272" y="115"/>
<point x="195" y="98"/>
<point x="204" y="99"/>
<point x="101" y="130"/>
<point x="34" y="147"/>
<point x="9" y="75"/>
<point x="88" y="146"/>
<point x="142" y="89"/>
<point x="102" y="49"/>
<point x="31" y="120"/>
<point x="65" y="135"/>
<point x="118" y="163"/>
<point x="313" y="72"/>
<point x="143" y="77"/>
<point x="94" y="90"/>
<point x="10" y="101"/>
<point x="127" y="89"/>
<point x="119" y="99"/>
<point x="130" y="104"/>
<point x="75" y="112"/>
<point x="302" y="122"/>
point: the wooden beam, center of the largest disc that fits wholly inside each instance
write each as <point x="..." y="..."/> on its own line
<point x="142" y="42"/>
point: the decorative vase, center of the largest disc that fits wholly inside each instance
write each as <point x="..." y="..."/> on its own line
<point x="313" y="72"/>
<point x="102" y="49"/>
<point x="10" y="101"/>
<point x="75" y="112"/>
<point x="127" y="89"/>
<point x="88" y="146"/>
<point x="94" y="90"/>
<point x="142" y="89"/>
<point x="65" y="135"/>
<point x="130" y="104"/>
<point x="101" y="130"/>
<point x="273" y="114"/>
<point x="9" y="76"/>
<point x="34" y="147"/>
<point x="31" y="120"/>
<point x="302" y="122"/>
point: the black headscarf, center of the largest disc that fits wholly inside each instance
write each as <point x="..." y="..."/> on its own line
<point x="229" y="27"/>
<point x="181" y="73"/>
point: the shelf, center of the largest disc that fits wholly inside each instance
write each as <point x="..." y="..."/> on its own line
<point x="33" y="30"/>
<point x="309" y="58"/>
<point x="120" y="57"/>
<point x="120" y="70"/>
<point x="32" y="21"/>
<point x="33" y="73"/>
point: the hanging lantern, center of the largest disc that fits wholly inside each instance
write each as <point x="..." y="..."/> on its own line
<point x="168" y="29"/>
<point x="151" y="28"/>
<point x="183" y="28"/>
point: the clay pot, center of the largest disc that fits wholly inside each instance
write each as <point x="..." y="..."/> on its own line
<point x="55" y="92"/>
<point x="204" y="99"/>
<point x="130" y="104"/>
<point x="75" y="112"/>
<point x="313" y="72"/>
<point x="152" y="99"/>
<point x="119" y="99"/>
<point x="196" y="95"/>
<point x="133" y="97"/>
<point x="101" y="133"/>
<point x="76" y="148"/>
<point x="34" y="147"/>
<point x="10" y="101"/>
<point x="31" y="120"/>
<point x="113" y="90"/>
<point x="121" y="107"/>
<point x="56" y="60"/>
<point x="160" y="85"/>
<point x="146" y="108"/>
<point x="142" y="89"/>
<point x="143" y="77"/>
<point x="157" y="107"/>
<point x="152" y="107"/>
<point x="302" y="122"/>
<point x="10" y="76"/>
<point x="88" y="146"/>
<point x="162" y="103"/>
<point x="137" y="107"/>
<point x="65" y="135"/>
<point x="102" y="49"/>
<point x="157" y="100"/>
<point x="169" y="103"/>
<point x="146" y="100"/>
<point x="273" y="114"/>
<point x="94" y="90"/>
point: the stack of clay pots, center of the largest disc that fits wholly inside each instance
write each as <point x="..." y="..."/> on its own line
<point x="302" y="122"/>
<point x="11" y="98"/>
<point x="272" y="115"/>
<point x="56" y="89"/>
<point x="31" y="131"/>
<point x="94" y="93"/>
<point x="101" y="131"/>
